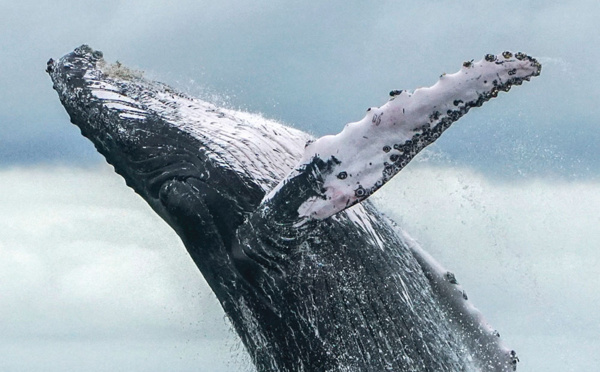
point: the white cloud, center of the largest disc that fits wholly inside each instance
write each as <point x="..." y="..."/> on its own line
<point x="91" y="278"/>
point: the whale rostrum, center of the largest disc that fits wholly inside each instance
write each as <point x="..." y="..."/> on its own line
<point x="311" y="275"/>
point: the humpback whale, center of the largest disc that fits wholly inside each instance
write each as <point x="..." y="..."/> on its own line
<point x="311" y="275"/>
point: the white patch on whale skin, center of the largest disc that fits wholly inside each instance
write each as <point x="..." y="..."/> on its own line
<point x="106" y="94"/>
<point x="122" y="107"/>
<point x="125" y="115"/>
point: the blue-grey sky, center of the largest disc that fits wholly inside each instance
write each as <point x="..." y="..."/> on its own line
<point x="508" y="198"/>
<point x="319" y="66"/>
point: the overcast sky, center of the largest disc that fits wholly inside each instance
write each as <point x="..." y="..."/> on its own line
<point x="507" y="199"/>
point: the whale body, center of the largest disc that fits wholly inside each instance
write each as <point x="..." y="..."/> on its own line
<point x="311" y="275"/>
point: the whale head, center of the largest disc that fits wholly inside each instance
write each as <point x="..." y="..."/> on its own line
<point x="172" y="149"/>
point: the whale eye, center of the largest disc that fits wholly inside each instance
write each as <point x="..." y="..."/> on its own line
<point x="342" y="175"/>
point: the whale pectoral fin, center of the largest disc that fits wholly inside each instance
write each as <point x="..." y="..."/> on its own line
<point x="339" y="171"/>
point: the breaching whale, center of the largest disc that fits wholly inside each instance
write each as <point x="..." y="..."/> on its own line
<point x="311" y="275"/>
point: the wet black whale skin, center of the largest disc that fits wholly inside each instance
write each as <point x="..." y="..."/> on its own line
<point x="327" y="297"/>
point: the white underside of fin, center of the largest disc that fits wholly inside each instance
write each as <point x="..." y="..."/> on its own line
<point x="367" y="153"/>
